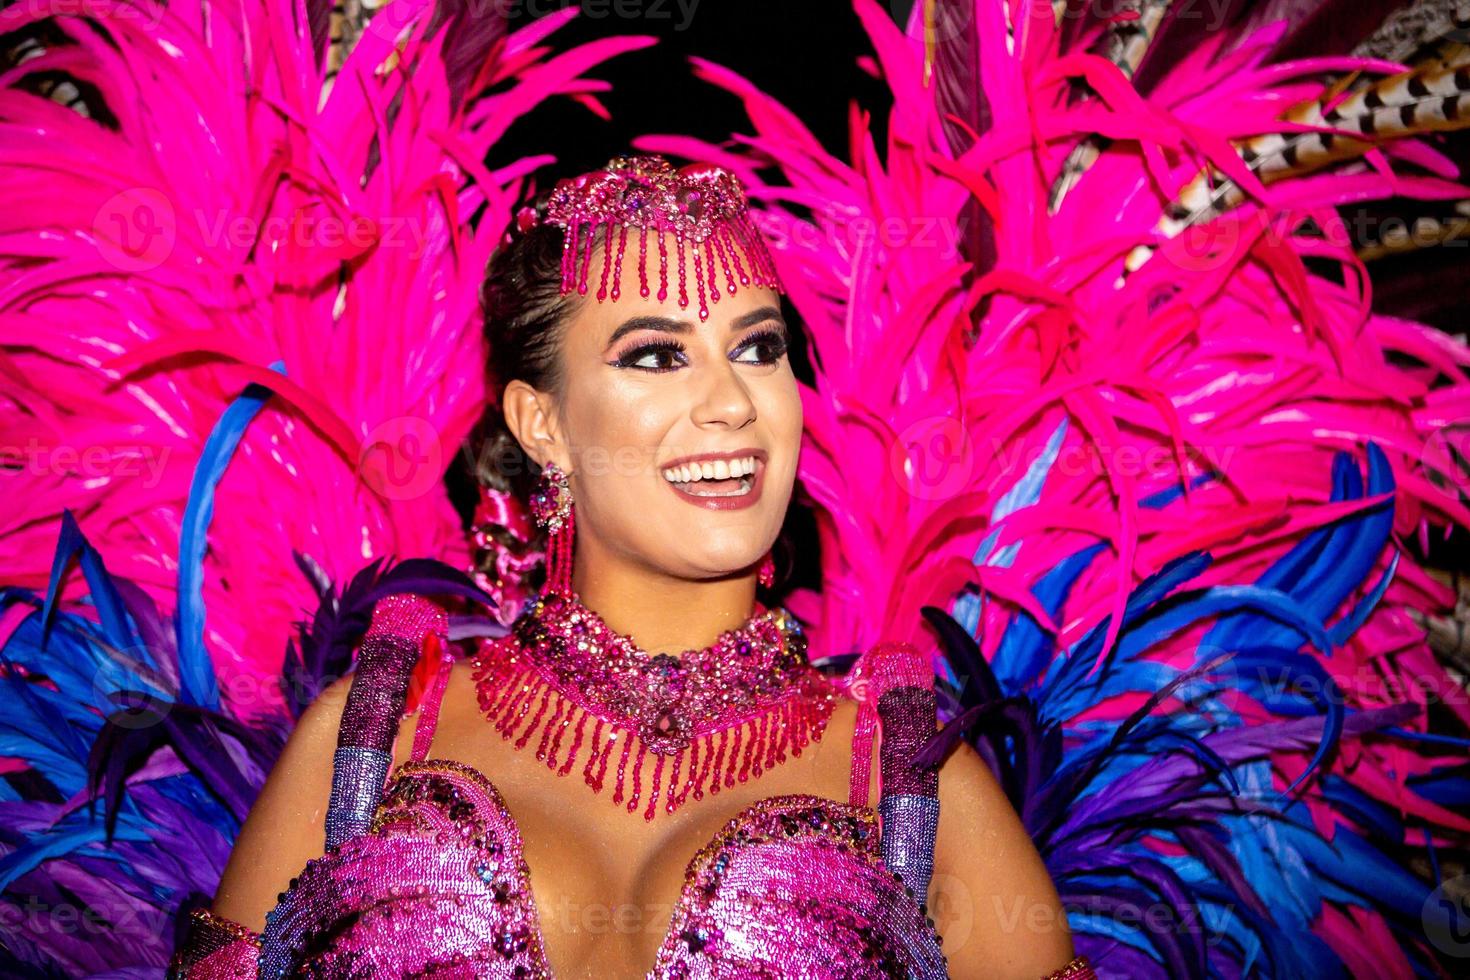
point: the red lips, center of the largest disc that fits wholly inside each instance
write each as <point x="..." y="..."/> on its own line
<point x="734" y="502"/>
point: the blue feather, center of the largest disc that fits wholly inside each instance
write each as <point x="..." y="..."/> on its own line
<point x="196" y="673"/>
<point x="104" y="597"/>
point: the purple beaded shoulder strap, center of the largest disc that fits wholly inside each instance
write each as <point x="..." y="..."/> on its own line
<point x="386" y="659"/>
<point x="894" y="685"/>
<point x="385" y="662"/>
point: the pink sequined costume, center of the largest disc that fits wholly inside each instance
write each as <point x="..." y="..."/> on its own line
<point x="793" y="886"/>
<point x="1091" y="237"/>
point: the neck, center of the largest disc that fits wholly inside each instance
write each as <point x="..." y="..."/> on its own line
<point x="661" y="613"/>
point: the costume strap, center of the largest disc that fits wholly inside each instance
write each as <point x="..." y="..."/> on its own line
<point x="393" y="645"/>
<point x="1077" y="968"/>
<point x="442" y="662"/>
<point x="215" y="948"/>
<point x="894" y="685"/>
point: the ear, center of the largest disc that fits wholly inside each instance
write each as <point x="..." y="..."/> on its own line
<point x="531" y="417"/>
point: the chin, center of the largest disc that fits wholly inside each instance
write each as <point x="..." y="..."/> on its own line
<point x="713" y="563"/>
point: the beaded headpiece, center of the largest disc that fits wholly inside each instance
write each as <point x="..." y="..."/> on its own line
<point x="701" y="207"/>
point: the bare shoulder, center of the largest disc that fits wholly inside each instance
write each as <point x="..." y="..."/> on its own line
<point x="992" y="899"/>
<point x="287" y="823"/>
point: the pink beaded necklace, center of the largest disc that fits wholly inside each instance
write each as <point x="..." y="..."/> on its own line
<point x="729" y="711"/>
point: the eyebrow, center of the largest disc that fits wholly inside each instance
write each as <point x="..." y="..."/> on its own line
<point x="667" y="324"/>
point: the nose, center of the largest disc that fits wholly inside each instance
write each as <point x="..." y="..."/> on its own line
<point x="726" y="401"/>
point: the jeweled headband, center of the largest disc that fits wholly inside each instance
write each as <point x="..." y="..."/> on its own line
<point x="700" y="206"/>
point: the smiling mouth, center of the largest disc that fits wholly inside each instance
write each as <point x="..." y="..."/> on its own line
<point x="723" y="478"/>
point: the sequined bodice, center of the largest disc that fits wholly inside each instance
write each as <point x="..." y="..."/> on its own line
<point x="792" y="886"/>
<point x="430" y="878"/>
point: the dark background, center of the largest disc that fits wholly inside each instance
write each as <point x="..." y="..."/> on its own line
<point x="802" y="52"/>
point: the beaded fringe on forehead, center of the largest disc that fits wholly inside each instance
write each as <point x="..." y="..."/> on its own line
<point x="701" y="207"/>
<point x="693" y="259"/>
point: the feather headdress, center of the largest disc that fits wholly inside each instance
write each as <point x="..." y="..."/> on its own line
<point x="1101" y="395"/>
<point x="242" y="248"/>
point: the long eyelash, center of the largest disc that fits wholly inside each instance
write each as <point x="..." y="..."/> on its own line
<point x="629" y="359"/>
<point x="775" y="338"/>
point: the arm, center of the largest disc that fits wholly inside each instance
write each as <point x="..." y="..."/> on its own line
<point x="285" y="827"/>
<point x="988" y="892"/>
<point x="991" y="898"/>
<point x="322" y="791"/>
<point x="283" y="831"/>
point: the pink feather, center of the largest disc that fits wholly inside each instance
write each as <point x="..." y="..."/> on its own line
<point x="1225" y="352"/>
<point x="122" y="351"/>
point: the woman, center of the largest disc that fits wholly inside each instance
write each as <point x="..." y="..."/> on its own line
<point x="660" y="410"/>
<point x="202" y="334"/>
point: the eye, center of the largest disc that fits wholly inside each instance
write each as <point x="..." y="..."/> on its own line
<point x="665" y="355"/>
<point x="769" y="345"/>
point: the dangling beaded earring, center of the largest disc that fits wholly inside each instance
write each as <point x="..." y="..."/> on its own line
<point x="767" y="572"/>
<point x="551" y="508"/>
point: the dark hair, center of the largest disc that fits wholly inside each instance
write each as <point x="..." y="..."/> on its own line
<point x="525" y="320"/>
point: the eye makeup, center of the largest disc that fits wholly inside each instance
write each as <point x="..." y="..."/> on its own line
<point x="669" y="350"/>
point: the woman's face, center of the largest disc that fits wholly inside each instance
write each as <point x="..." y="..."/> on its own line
<point x="652" y="396"/>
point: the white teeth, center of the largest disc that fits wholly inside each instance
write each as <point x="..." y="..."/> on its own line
<point x="720" y="469"/>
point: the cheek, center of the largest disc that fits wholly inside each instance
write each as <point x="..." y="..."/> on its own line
<point x="784" y="410"/>
<point x="619" y="438"/>
<point x="617" y="416"/>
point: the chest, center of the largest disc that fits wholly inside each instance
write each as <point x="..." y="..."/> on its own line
<point x="608" y="884"/>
